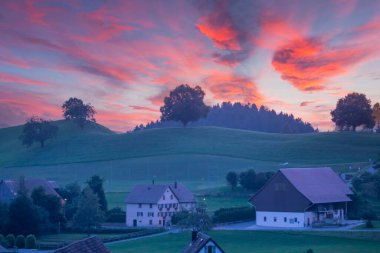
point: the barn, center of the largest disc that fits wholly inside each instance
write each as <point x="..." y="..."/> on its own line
<point x="302" y="197"/>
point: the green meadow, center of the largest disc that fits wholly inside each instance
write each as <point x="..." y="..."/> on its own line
<point x="257" y="242"/>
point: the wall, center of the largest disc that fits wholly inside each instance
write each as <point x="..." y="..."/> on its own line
<point x="280" y="222"/>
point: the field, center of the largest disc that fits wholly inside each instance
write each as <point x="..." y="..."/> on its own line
<point x="255" y="241"/>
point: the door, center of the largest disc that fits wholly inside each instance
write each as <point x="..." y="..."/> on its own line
<point x="135" y="223"/>
<point x="163" y="222"/>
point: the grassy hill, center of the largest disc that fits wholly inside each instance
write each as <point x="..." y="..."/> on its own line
<point x="198" y="155"/>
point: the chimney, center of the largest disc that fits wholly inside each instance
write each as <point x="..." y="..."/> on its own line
<point x="175" y="184"/>
<point x="194" y="235"/>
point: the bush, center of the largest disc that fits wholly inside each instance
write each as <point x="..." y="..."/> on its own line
<point x="177" y="217"/>
<point x="3" y="242"/>
<point x="30" y="242"/>
<point x="369" y="224"/>
<point x="310" y="251"/>
<point x="20" y="241"/>
<point x="116" y="215"/>
<point x="11" y="240"/>
<point x="234" y="214"/>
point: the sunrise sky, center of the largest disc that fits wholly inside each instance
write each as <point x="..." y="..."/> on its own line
<point x="124" y="56"/>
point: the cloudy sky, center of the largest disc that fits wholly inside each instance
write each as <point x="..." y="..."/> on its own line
<point x="123" y="56"/>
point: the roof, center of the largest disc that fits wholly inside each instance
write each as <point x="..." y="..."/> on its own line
<point x="31" y="184"/>
<point x="149" y="194"/>
<point x="201" y="241"/>
<point x="319" y="185"/>
<point x="4" y="250"/>
<point x="89" y="245"/>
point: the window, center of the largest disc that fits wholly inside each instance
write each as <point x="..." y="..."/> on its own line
<point x="285" y="219"/>
<point x="150" y="205"/>
<point x="163" y="197"/>
<point x="150" y="222"/>
<point x="140" y="205"/>
<point x="265" y="218"/>
<point x="275" y="219"/>
<point x="171" y="196"/>
<point x="295" y="219"/>
<point x="210" y="249"/>
<point x="139" y="214"/>
<point x="159" y="222"/>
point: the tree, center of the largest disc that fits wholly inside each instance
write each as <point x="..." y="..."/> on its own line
<point x="3" y="216"/>
<point x="96" y="185"/>
<point x="37" y="130"/>
<point x="71" y="194"/>
<point x="352" y="111"/>
<point x="51" y="203"/>
<point x="23" y="216"/>
<point x="376" y="115"/>
<point x="89" y="214"/>
<point x="232" y="179"/>
<point x="184" y="104"/>
<point x="198" y="220"/>
<point x="74" y="109"/>
<point x="247" y="179"/>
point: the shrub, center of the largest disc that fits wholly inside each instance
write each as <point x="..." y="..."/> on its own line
<point x="234" y="214"/>
<point x="369" y="224"/>
<point x="310" y="251"/>
<point x="116" y="215"/>
<point x="30" y="242"/>
<point x="177" y="217"/>
<point x="11" y="240"/>
<point x="20" y="241"/>
<point x="3" y="242"/>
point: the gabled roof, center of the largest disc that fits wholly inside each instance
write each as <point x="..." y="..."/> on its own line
<point x="89" y="245"/>
<point x="183" y="194"/>
<point x="31" y="184"/>
<point x="151" y="193"/>
<point x="319" y="185"/>
<point x="201" y="241"/>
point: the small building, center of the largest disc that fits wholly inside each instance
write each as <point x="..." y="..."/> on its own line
<point x="301" y="197"/>
<point x="202" y="243"/>
<point x="154" y="205"/>
<point x="10" y="188"/>
<point x="89" y="245"/>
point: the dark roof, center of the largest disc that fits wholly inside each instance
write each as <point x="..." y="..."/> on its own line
<point x="31" y="184"/>
<point x="4" y="250"/>
<point x="183" y="194"/>
<point x="319" y="185"/>
<point x="149" y="194"/>
<point x="196" y="245"/>
<point x="89" y="245"/>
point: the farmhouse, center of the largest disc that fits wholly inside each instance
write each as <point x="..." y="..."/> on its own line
<point x="10" y="188"/>
<point x="202" y="243"/>
<point x="301" y="197"/>
<point x="154" y="205"/>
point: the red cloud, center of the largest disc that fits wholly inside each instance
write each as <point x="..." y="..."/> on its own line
<point x="7" y="78"/>
<point x="308" y="63"/>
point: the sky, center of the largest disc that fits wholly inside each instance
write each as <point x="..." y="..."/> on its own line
<point x="124" y="57"/>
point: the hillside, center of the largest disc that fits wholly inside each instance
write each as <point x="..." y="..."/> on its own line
<point x="204" y="153"/>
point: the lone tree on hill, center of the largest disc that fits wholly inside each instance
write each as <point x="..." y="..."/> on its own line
<point x="352" y="111"/>
<point x="75" y="109"/>
<point x="184" y="104"/>
<point x="37" y="130"/>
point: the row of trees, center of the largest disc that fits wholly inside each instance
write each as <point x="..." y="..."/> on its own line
<point x="39" y="130"/>
<point x="248" y="179"/>
<point x="39" y="212"/>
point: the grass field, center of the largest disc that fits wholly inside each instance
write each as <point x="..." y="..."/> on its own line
<point x="200" y="157"/>
<point x="255" y="241"/>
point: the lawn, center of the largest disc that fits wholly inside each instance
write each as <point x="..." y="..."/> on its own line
<point x="253" y="241"/>
<point x="376" y="225"/>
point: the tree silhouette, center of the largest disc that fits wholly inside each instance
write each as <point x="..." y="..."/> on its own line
<point x="352" y="111"/>
<point x="74" y="109"/>
<point x="184" y="104"/>
<point x="96" y="185"/>
<point x="232" y="179"/>
<point x="37" y="130"/>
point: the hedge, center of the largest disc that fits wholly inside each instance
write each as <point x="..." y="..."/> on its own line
<point x="234" y="214"/>
<point x="20" y="241"/>
<point x="3" y="241"/>
<point x="11" y="240"/>
<point x="30" y="242"/>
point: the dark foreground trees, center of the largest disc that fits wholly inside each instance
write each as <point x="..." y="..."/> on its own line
<point x="184" y="104"/>
<point x="96" y="185"/>
<point x="37" y="130"/>
<point x="74" y="109"/>
<point x="352" y="111"/>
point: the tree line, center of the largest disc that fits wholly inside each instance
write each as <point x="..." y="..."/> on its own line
<point x="249" y="179"/>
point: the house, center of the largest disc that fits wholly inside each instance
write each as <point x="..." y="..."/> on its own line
<point x="301" y="197"/>
<point x="202" y="243"/>
<point x="10" y="188"/>
<point x="154" y="205"/>
<point x="89" y="245"/>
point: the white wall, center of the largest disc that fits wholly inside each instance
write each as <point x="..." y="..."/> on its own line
<point x="277" y="219"/>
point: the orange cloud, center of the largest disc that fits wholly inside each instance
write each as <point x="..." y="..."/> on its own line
<point x="308" y="63"/>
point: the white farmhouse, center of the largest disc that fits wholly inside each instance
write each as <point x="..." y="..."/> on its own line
<point x="154" y="205"/>
<point x="301" y="197"/>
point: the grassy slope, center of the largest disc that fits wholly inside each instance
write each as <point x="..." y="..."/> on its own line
<point x="199" y="156"/>
<point x="253" y="241"/>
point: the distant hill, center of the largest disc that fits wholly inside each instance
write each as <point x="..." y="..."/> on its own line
<point x="245" y="117"/>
